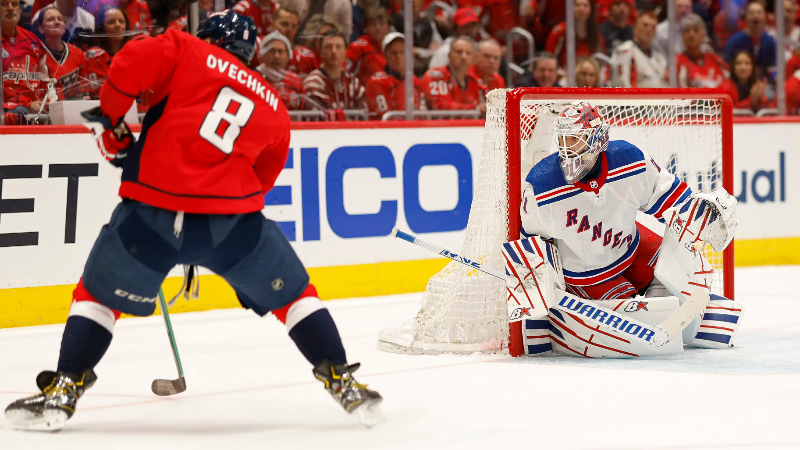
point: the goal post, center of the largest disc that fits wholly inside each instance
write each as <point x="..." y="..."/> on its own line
<point x="688" y="132"/>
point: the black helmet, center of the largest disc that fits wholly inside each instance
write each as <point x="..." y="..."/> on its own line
<point x="232" y="32"/>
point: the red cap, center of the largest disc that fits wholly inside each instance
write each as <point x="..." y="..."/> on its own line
<point x="464" y="16"/>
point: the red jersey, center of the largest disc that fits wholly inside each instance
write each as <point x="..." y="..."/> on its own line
<point x="216" y="136"/>
<point x="324" y="92"/>
<point x="710" y="71"/>
<point x="443" y="92"/>
<point x="364" y="59"/>
<point x="793" y="65"/>
<point x="261" y="15"/>
<point x="179" y="24"/>
<point x="742" y="103"/>
<point x="69" y="70"/>
<point x="288" y="86"/>
<point x="793" y="94"/>
<point x="22" y="56"/>
<point x="303" y="61"/>
<point x="139" y="15"/>
<point x="386" y="92"/>
<point x="557" y="45"/>
<point x="98" y="62"/>
<point x="502" y="18"/>
<point x="603" y="8"/>
<point x="497" y="81"/>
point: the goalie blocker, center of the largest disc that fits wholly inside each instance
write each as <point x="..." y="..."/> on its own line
<point x="543" y="317"/>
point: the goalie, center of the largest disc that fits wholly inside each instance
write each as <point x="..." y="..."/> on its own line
<point x="578" y="210"/>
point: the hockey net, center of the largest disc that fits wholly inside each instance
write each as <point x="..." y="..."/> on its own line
<point x="687" y="132"/>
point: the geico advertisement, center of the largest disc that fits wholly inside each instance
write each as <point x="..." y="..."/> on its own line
<point x="339" y="196"/>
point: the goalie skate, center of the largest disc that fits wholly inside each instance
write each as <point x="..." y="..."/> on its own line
<point x="50" y="409"/>
<point x="354" y="397"/>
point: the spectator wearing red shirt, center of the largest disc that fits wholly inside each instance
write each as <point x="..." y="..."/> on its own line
<point x="386" y="89"/>
<point x="302" y="60"/>
<point x="604" y="11"/>
<point x="793" y="64"/>
<point x="63" y="62"/>
<point x="487" y="65"/>
<point x="503" y="15"/>
<point x="258" y="10"/>
<point x="111" y="36"/>
<point x="793" y="94"/>
<point x="274" y="56"/>
<point x="330" y="87"/>
<point x="697" y="67"/>
<point x="364" y="57"/>
<point x="466" y="23"/>
<point x="588" y="39"/>
<point x="746" y="90"/>
<point x="450" y="87"/>
<point x="22" y="53"/>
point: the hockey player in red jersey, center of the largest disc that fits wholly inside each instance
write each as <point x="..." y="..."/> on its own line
<point x="274" y="54"/>
<point x="487" y="65"/>
<point x="364" y="56"/>
<point x="450" y="86"/>
<point x="258" y="10"/>
<point x="63" y="62"/>
<point x="302" y="61"/>
<point x="193" y="188"/>
<point x="330" y="87"/>
<point x="386" y="89"/>
<point x="22" y="53"/>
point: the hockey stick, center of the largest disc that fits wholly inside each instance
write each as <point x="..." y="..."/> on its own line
<point x="169" y="387"/>
<point x="671" y="327"/>
<point x="446" y="253"/>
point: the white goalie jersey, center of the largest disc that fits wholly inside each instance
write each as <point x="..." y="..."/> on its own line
<point x="594" y="224"/>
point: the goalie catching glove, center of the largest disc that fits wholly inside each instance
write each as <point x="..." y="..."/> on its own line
<point x="708" y="217"/>
<point x="113" y="140"/>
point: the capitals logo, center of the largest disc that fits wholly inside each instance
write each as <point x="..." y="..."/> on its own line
<point x="636" y="306"/>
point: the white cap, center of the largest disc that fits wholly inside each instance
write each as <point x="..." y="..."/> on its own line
<point x="274" y="36"/>
<point x="391" y="37"/>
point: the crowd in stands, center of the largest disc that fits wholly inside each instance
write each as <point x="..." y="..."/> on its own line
<point x="335" y="56"/>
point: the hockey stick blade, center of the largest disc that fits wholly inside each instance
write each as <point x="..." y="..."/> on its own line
<point x="165" y="388"/>
<point x="674" y="325"/>
<point x="446" y="253"/>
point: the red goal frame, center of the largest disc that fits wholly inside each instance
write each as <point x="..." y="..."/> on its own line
<point x="513" y="139"/>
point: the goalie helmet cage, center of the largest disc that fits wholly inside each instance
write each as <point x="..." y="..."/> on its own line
<point x="688" y="132"/>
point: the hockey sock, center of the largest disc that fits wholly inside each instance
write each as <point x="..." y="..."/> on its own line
<point x="312" y="329"/>
<point x="88" y="333"/>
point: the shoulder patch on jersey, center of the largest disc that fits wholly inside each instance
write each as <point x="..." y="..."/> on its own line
<point x="379" y="76"/>
<point x="94" y="52"/>
<point x="434" y="73"/>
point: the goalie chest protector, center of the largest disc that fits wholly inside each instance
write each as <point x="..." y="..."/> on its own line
<point x="594" y="221"/>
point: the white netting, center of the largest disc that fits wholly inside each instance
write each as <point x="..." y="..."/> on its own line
<point x="463" y="310"/>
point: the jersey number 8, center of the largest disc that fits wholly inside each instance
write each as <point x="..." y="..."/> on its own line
<point x="222" y="125"/>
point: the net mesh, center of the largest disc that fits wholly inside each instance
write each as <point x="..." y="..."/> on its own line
<point x="463" y="310"/>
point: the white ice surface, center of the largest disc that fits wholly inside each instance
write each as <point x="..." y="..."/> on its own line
<point x="248" y="387"/>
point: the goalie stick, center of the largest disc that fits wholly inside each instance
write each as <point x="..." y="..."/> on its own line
<point x="169" y="387"/>
<point x="667" y="330"/>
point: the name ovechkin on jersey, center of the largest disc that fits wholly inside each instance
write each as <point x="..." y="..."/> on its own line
<point x="243" y="77"/>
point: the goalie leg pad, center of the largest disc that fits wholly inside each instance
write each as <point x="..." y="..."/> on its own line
<point x="719" y="325"/>
<point x="597" y="329"/>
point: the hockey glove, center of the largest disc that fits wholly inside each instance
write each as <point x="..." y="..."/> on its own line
<point x="112" y="140"/>
<point x="704" y="216"/>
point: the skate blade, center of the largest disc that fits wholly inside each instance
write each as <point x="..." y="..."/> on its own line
<point x="50" y="420"/>
<point x="370" y="415"/>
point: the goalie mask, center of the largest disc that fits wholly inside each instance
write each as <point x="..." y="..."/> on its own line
<point x="580" y="135"/>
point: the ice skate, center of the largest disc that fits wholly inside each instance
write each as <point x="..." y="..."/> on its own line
<point x="49" y="410"/>
<point x="354" y="397"/>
